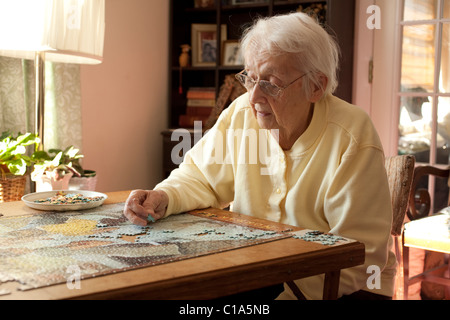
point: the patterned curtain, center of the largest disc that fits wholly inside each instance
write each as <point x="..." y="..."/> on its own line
<point x="62" y="101"/>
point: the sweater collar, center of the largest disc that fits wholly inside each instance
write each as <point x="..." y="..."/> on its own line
<point x="314" y="130"/>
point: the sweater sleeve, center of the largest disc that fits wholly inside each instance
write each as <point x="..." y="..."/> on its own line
<point x="365" y="218"/>
<point x="206" y="176"/>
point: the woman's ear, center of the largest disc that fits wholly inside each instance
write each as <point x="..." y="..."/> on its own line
<point x="318" y="90"/>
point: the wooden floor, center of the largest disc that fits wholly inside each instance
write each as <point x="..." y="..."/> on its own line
<point x="416" y="265"/>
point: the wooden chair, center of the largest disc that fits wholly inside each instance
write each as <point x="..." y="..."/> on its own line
<point x="400" y="170"/>
<point x="400" y="175"/>
<point x="420" y="200"/>
<point x="425" y="230"/>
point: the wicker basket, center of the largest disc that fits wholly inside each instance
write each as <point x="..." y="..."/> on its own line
<point x="12" y="187"/>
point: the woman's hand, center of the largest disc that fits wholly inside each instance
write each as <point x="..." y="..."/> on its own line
<point x="145" y="205"/>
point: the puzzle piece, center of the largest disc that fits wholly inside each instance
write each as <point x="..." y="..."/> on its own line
<point x="319" y="237"/>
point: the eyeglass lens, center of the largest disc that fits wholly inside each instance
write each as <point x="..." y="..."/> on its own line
<point x="266" y="86"/>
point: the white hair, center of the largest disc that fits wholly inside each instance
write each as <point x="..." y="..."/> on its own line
<point x="297" y="33"/>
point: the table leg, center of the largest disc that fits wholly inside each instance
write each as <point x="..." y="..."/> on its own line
<point x="405" y="272"/>
<point x="447" y="288"/>
<point x="331" y="285"/>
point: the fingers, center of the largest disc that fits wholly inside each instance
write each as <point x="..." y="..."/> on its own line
<point x="133" y="209"/>
<point x="135" y="212"/>
<point x="159" y="201"/>
<point x="142" y="207"/>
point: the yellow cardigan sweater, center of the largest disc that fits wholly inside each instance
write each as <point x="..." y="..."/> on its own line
<point x="333" y="180"/>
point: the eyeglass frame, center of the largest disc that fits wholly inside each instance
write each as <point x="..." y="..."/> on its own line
<point x="239" y="76"/>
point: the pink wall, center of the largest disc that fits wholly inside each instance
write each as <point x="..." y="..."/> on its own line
<point x="377" y="45"/>
<point x="124" y="99"/>
<point x="363" y="54"/>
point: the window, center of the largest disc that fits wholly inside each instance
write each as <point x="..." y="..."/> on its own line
<point x="425" y="81"/>
<point x="424" y="124"/>
<point x="62" y="101"/>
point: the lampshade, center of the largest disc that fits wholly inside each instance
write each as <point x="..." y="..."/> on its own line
<point x="70" y="31"/>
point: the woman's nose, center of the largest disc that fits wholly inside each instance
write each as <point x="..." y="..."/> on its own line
<point x="256" y="95"/>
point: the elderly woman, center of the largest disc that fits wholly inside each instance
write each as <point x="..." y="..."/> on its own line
<point x="290" y="152"/>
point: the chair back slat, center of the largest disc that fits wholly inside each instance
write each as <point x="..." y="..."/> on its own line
<point x="400" y="171"/>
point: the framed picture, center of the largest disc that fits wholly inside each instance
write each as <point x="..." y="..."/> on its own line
<point x="231" y="53"/>
<point x="204" y="43"/>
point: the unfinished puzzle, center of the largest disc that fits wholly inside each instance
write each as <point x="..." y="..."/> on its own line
<point x="37" y="250"/>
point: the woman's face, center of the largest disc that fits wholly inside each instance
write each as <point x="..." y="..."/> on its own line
<point x="289" y="112"/>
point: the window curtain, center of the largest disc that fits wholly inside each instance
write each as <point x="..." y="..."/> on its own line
<point x="62" y="101"/>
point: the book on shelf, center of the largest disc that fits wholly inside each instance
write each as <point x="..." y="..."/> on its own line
<point x="187" y="121"/>
<point x="199" y="105"/>
<point x="201" y="93"/>
<point x="201" y="102"/>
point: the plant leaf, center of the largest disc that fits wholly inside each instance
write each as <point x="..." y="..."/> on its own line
<point x="17" y="167"/>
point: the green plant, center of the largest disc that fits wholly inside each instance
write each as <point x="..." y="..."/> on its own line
<point x="13" y="158"/>
<point x="57" y="162"/>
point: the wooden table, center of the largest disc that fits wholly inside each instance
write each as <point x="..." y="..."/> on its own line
<point x="209" y="276"/>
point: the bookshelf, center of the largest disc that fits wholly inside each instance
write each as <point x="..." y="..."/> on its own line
<point x="192" y="24"/>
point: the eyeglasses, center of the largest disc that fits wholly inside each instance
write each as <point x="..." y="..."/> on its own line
<point x="267" y="87"/>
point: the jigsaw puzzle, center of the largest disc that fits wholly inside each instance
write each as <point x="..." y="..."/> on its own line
<point x="37" y="250"/>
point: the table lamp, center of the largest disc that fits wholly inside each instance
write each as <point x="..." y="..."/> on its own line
<point x="67" y="31"/>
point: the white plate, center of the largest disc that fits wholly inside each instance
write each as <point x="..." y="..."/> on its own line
<point x="29" y="200"/>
